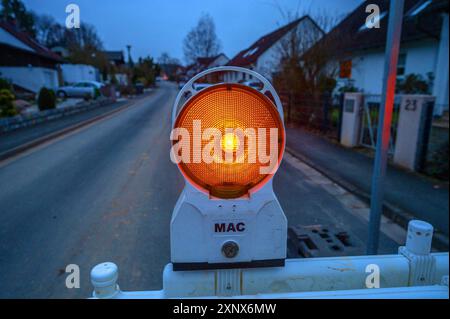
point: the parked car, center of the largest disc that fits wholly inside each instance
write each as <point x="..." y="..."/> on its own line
<point x="85" y="89"/>
<point x="139" y="87"/>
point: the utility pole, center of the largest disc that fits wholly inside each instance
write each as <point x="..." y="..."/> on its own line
<point x="384" y="122"/>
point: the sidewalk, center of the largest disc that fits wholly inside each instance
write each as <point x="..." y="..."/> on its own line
<point x="10" y="140"/>
<point x="16" y="138"/>
<point x="407" y="195"/>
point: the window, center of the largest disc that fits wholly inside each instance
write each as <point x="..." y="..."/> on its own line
<point x="345" y="69"/>
<point x="401" y="64"/>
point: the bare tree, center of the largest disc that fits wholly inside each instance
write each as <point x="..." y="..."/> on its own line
<point x="85" y="37"/>
<point x="166" y="59"/>
<point x="48" y="32"/>
<point x="202" y="40"/>
<point x="307" y="68"/>
<point x="43" y="23"/>
<point x="305" y="59"/>
<point x="15" y="11"/>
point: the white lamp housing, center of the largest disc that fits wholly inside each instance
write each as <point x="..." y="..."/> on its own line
<point x="207" y="233"/>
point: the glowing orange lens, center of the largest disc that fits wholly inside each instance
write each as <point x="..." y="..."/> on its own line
<point x="224" y="107"/>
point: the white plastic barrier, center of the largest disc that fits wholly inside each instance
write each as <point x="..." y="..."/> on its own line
<point x="413" y="273"/>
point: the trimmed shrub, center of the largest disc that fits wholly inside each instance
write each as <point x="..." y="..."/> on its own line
<point x="46" y="99"/>
<point x="439" y="163"/>
<point x="87" y="97"/>
<point x="5" y="84"/>
<point x="326" y="84"/>
<point x="97" y="93"/>
<point x="127" y="90"/>
<point x="415" y="84"/>
<point x="7" y="107"/>
<point x="114" y="80"/>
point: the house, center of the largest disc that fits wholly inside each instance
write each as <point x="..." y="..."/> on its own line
<point x="170" y="71"/>
<point x="264" y="55"/>
<point x="360" y="51"/>
<point x="73" y="73"/>
<point x="27" y="64"/>
<point x="115" y="57"/>
<point x="204" y="63"/>
<point x="61" y="51"/>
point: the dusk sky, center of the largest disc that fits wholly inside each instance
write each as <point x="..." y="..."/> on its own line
<point x="153" y="27"/>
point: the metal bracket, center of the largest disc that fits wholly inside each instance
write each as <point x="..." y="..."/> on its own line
<point x="422" y="268"/>
<point x="228" y="282"/>
<point x="417" y="250"/>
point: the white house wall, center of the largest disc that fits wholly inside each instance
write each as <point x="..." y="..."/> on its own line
<point x="220" y="61"/>
<point x="31" y="78"/>
<point x="421" y="57"/>
<point x="73" y="73"/>
<point x="232" y="77"/>
<point x="367" y="72"/>
<point x="367" y="67"/>
<point x="269" y="61"/>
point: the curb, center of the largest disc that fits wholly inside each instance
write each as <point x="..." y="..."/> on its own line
<point x="24" y="147"/>
<point x="28" y="120"/>
<point x="391" y="211"/>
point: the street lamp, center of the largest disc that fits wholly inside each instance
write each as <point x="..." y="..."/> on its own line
<point x="130" y="62"/>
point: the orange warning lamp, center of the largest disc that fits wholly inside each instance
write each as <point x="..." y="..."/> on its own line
<point x="227" y="108"/>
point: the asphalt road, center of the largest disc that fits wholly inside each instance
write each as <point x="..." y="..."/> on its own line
<point x="106" y="193"/>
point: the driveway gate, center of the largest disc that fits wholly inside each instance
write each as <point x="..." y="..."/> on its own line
<point x="369" y="125"/>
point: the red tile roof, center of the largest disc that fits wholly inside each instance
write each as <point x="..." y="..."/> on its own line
<point x="29" y="41"/>
<point x="252" y="53"/>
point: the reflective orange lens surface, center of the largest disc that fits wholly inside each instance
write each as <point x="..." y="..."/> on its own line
<point x="224" y="107"/>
